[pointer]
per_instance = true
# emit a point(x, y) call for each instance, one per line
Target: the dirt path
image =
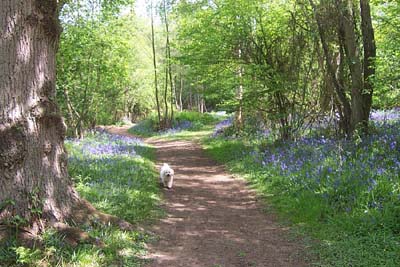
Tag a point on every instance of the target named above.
point(213, 219)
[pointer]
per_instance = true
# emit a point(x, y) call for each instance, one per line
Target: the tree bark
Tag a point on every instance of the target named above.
point(155, 65)
point(34, 183)
point(180, 94)
point(369, 55)
point(169, 64)
point(239, 95)
point(177, 107)
point(361, 72)
point(339, 89)
point(190, 100)
point(33, 158)
point(347, 25)
point(166, 120)
point(165, 124)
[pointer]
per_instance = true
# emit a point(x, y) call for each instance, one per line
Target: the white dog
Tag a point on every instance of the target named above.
point(166, 176)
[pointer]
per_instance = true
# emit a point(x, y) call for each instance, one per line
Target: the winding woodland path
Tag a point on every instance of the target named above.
point(213, 219)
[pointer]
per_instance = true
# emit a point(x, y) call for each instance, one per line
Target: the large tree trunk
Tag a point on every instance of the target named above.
point(33, 157)
point(34, 183)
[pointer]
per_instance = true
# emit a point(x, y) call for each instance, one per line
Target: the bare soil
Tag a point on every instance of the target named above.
point(214, 219)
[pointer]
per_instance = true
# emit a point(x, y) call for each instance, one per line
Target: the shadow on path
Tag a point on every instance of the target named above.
point(213, 219)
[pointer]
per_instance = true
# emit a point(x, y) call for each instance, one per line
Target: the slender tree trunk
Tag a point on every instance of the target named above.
point(155, 65)
point(200, 102)
point(169, 64)
point(347, 25)
point(173, 99)
point(190, 102)
point(71, 111)
point(166, 96)
point(361, 67)
point(239, 96)
point(369, 56)
point(362, 90)
point(347, 110)
point(176, 93)
point(177, 107)
point(203, 101)
point(180, 95)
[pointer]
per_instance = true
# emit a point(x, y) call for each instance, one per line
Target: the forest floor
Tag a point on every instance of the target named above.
point(212, 218)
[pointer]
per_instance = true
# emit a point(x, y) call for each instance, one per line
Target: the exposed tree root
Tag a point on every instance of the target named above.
point(74, 236)
point(23, 236)
point(84, 214)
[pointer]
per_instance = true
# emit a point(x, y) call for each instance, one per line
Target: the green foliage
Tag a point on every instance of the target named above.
point(226, 151)
point(103, 68)
point(258, 46)
point(270, 49)
point(195, 117)
point(146, 127)
point(387, 80)
point(121, 249)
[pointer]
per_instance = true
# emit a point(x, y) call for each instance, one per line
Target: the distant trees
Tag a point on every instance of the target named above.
point(282, 64)
point(257, 58)
point(104, 65)
point(386, 15)
point(287, 63)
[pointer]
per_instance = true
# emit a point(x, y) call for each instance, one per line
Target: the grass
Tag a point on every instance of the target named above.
point(186, 125)
point(344, 194)
point(117, 175)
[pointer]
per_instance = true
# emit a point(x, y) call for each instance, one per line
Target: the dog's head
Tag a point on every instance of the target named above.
point(168, 175)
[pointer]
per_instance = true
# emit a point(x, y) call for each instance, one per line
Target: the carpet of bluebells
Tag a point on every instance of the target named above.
point(178, 126)
point(361, 174)
point(353, 184)
point(221, 126)
point(115, 174)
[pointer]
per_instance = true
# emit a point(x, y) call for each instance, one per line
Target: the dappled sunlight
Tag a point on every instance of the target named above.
point(24, 52)
point(210, 213)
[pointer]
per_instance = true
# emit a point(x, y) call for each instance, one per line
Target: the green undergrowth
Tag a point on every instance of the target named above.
point(117, 175)
point(346, 222)
point(186, 125)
